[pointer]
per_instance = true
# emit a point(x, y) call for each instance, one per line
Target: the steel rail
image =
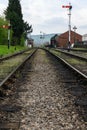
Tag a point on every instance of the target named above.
point(18, 67)
point(69, 65)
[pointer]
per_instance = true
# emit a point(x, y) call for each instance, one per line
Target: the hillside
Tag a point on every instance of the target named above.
point(38, 40)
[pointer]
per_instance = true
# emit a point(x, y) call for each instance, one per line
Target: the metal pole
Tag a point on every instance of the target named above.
point(69, 23)
point(69, 37)
point(42, 35)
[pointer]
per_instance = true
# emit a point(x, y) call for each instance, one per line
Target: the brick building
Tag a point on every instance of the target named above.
point(53, 41)
point(62, 40)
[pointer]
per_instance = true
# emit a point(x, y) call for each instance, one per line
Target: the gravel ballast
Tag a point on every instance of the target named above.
point(42, 99)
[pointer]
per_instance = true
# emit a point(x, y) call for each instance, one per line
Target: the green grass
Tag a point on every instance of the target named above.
point(75, 61)
point(5, 51)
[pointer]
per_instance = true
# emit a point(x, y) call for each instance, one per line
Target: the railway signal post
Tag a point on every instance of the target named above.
point(42, 36)
point(69, 7)
point(7, 27)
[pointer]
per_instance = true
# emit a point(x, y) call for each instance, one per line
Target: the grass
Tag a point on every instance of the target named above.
point(75, 61)
point(5, 51)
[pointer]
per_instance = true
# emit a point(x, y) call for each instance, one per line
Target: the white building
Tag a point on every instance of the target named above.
point(84, 37)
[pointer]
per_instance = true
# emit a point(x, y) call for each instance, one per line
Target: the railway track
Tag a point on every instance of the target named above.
point(9, 64)
point(79, 62)
point(79, 53)
point(13, 55)
point(44, 95)
point(75, 55)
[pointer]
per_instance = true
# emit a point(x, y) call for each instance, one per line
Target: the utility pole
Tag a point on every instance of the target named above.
point(69, 7)
point(7, 27)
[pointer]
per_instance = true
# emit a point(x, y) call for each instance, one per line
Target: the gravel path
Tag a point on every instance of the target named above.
point(46, 104)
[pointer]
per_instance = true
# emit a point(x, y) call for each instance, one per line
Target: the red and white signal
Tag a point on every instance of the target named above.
point(67, 6)
point(5, 26)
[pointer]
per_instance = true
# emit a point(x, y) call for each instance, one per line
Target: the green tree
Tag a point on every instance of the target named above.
point(13, 13)
point(27, 29)
point(3, 31)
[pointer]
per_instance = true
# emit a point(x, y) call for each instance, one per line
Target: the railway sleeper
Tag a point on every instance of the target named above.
point(9, 125)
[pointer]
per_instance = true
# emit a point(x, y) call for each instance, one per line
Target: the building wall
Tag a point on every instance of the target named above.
point(29, 43)
point(84, 37)
point(62, 40)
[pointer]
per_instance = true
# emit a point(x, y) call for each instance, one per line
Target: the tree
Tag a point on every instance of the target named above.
point(27, 29)
point(13, 13)
point(3, 31)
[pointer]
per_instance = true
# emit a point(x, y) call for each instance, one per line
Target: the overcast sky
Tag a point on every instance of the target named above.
point(48, 16)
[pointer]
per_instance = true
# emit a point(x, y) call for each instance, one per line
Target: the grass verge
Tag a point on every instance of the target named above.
point(5, 51)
